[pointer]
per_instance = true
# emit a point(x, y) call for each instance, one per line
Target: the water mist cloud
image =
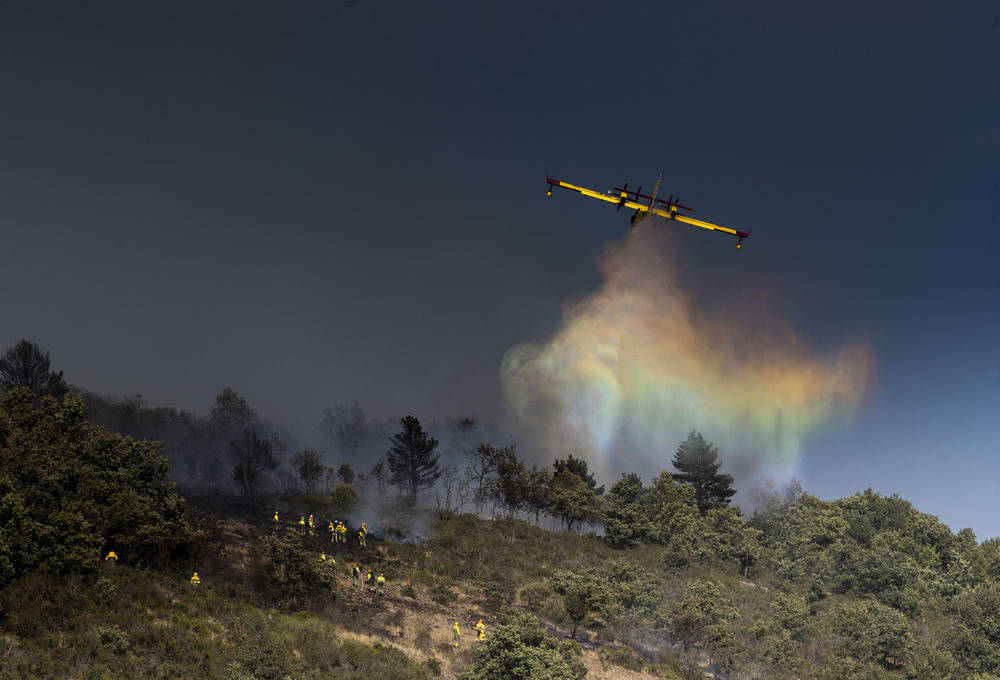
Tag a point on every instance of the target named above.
point(634, 369)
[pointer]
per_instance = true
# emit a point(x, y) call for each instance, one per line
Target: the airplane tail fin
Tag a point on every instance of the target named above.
point(652, 198)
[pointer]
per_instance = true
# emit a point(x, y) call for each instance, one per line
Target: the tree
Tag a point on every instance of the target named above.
point(626, 516)
point(361, 482)
point(232, 412)
point(769, 498)
point(672, 510)
point(695, 462)
point(380, 475)
point(310, 469)
point(413, 463)
point(537, 487)
point(70, 491)
point(481, 472)
point(251, 455)
point(874, 631)
point(25, 365)
point(346, 473)
point(344, 499)
point(455, 489)
point(702, 616)
point(572, 501)
point(578, 467)
point(510, 488)
point(346, 426)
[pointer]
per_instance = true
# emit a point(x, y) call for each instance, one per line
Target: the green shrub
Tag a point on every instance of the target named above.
point(626, 657)
point(499, 589)
point(534, 594)
point(423, 577)
point(113, 640)
point(344, 500)
point(258, 654)
point(518, 649)
point(433, 665)
point(443, 594)
point(105, 590)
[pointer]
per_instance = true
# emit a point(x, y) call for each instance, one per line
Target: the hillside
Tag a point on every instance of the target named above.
point(862, 587)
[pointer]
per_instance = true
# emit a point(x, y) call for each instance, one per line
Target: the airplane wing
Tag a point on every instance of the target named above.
point(586, 192)
point(671, 214)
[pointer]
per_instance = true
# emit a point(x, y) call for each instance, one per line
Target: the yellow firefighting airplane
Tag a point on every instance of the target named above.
point(629, 199)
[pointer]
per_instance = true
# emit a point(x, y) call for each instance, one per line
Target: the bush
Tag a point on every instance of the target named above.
point(113, 640)
point(258, 655)
point(344, 500)
point(433, 666)
point(518, 649)
point(423, 577)
point(626, 657)
point(289, 577)
point(499, 589)
point(534, 594)
point(443, 594)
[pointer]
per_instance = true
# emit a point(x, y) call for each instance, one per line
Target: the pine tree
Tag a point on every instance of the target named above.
point(579, 468)
point(695, 462)
point(26, 365)
point(413, 464)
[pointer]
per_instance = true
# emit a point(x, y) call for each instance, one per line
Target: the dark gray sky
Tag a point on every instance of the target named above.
point(313, 203)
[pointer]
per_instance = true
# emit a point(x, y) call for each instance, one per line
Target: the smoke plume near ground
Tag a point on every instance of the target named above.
point(636, 366)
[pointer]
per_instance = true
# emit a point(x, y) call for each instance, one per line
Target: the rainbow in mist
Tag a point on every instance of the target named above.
point(633, 370)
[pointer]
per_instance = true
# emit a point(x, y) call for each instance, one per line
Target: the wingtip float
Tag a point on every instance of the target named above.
point(664, 207)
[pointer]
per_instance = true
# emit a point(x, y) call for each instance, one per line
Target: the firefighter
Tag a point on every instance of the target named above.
point(356, 575)
point(322, 557)
point(302, 524)
point(195, 581)
point(370, 580)
point(480, 631)
point(275, 518)
point(457, 634)
point(361, 536)
point(310, 525)
point(112, 558)
point(381, 584)
point(342, 530)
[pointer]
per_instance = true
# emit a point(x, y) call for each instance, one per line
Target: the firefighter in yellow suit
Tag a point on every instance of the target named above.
point(458, 634)
point(195, 581)
point(480, 630)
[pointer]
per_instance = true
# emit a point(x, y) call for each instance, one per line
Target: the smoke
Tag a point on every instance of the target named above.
point(636, 366)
